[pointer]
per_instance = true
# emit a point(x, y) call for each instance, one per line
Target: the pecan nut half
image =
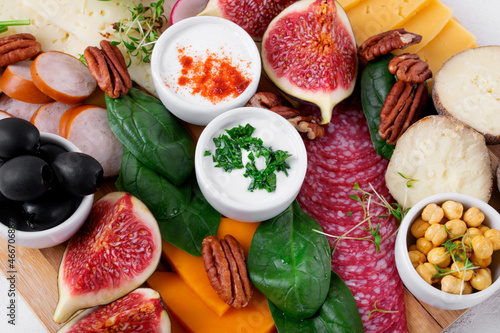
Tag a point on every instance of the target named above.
point(409, 68)
point(308, 124)
point(387, 42)
point(225, 265)
point(265, 100)
point(107, 66)
point(401, 108)
point(17, 47)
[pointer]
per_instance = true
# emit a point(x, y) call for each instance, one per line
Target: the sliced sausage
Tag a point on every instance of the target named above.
point(17, 108)
point(16, 82)
point(88, 128)
point(47, 117)
point(63, 77)
point(4, 114)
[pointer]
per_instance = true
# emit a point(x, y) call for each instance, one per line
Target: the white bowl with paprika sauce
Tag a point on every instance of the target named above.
point(203, 66)
point(263, 185)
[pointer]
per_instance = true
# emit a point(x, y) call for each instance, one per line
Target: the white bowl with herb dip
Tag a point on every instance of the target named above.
point(250, 164)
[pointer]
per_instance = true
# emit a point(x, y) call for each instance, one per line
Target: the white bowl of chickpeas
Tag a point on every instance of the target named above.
point(448, 251)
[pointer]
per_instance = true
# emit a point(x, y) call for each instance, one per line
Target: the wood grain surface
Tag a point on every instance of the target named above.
point(37, 269)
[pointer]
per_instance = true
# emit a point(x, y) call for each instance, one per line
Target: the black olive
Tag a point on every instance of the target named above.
point(12, 216)
point(49, 151)
point(18, 137)
point(25, 178)
point(80, 174)
point(50, 209)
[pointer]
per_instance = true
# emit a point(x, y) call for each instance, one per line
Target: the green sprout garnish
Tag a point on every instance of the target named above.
point(379, 310)
point(408, 180)
point(4, 25)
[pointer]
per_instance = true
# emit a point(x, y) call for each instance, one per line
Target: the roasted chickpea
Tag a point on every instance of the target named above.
point(413, 247)
point(473, 217)
point(455, 228)
point(470, 234)
point(483, 228)
point(482, 246)
point(459, 267)
point(439, 256)
point(494, 236)
point(427, 271)
point(452, 209)
point(436, 234)
point(423, 245)
point(482, 279)
point(432, 213)
point(417, 258)
point(452, 285)
point(419, 227)
point(481, 263)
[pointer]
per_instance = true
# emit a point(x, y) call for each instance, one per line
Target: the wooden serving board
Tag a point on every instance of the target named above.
point(37, 269)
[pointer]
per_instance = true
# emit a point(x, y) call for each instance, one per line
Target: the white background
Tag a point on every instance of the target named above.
point(482, 18)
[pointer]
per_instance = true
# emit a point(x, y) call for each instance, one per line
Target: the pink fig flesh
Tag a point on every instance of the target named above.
point(186, 8)
point(309, 52)
point(115, 251)
point(140, 311)
point(252, 15)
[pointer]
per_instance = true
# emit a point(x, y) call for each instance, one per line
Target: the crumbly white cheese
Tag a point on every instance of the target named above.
point(468, 87)
point(441, 155)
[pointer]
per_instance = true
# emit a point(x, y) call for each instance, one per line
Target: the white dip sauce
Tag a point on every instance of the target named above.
point(200, 41)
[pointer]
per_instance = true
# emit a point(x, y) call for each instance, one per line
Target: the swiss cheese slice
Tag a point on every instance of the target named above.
point(427, 23)
point(371, 17)
point(452, 39)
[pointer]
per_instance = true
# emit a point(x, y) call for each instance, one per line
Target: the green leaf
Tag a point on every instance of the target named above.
point(187, 230)
point(339, 313)
point(290, 263)
point(376, 83)
point(152, 134)
point(164, 199)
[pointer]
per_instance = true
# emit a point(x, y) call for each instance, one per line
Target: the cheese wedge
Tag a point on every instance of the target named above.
point(184, 305)
point(427, 23)
point(371, 17)
point(451, 40)
point(346, 4)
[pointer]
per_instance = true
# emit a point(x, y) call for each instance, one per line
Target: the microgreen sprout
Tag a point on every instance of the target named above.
point(139, 33)
point(4, 25)
point(365, 199)
point(379, 310)
point(408, 180)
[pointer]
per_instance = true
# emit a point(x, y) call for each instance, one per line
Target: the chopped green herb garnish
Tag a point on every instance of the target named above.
point(228, 156)
point(207, 153)
point(349, 213)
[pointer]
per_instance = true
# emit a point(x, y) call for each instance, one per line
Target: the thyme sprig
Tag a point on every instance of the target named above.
point(139, 33)
point(379, 310)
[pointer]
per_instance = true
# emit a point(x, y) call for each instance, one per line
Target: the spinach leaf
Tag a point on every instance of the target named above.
point(290, 263)
point(339, 313)
point(187, 230)
point(376, 83)
point(164, 199)
point(152, 134)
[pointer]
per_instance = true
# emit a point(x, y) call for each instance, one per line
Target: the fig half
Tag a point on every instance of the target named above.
point(115, 251)
point(140, 311)
point(309, 52)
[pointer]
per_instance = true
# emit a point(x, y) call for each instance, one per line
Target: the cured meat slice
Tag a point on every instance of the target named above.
point(47, 117)
point(17, 108)
point(371, 275)
point(4, 114)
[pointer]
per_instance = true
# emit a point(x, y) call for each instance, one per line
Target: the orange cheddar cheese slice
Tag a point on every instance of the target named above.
point(452, 39)
point(371, 17)
point(184, 305)
point(427, 23)
point(192, 270)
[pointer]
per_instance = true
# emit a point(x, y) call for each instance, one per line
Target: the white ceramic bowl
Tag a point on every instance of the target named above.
point(62, 232)
point(228, 192)
point(415, 284)
point(196, 35)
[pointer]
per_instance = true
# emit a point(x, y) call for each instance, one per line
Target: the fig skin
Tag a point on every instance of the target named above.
point(18, 137)
point(79, 174)
point(25, 178)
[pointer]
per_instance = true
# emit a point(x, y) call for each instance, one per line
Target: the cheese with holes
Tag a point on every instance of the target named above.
point(427, 23)
point(371, 17)
point(90, 21)
point(451, 40)
point(346, 4)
